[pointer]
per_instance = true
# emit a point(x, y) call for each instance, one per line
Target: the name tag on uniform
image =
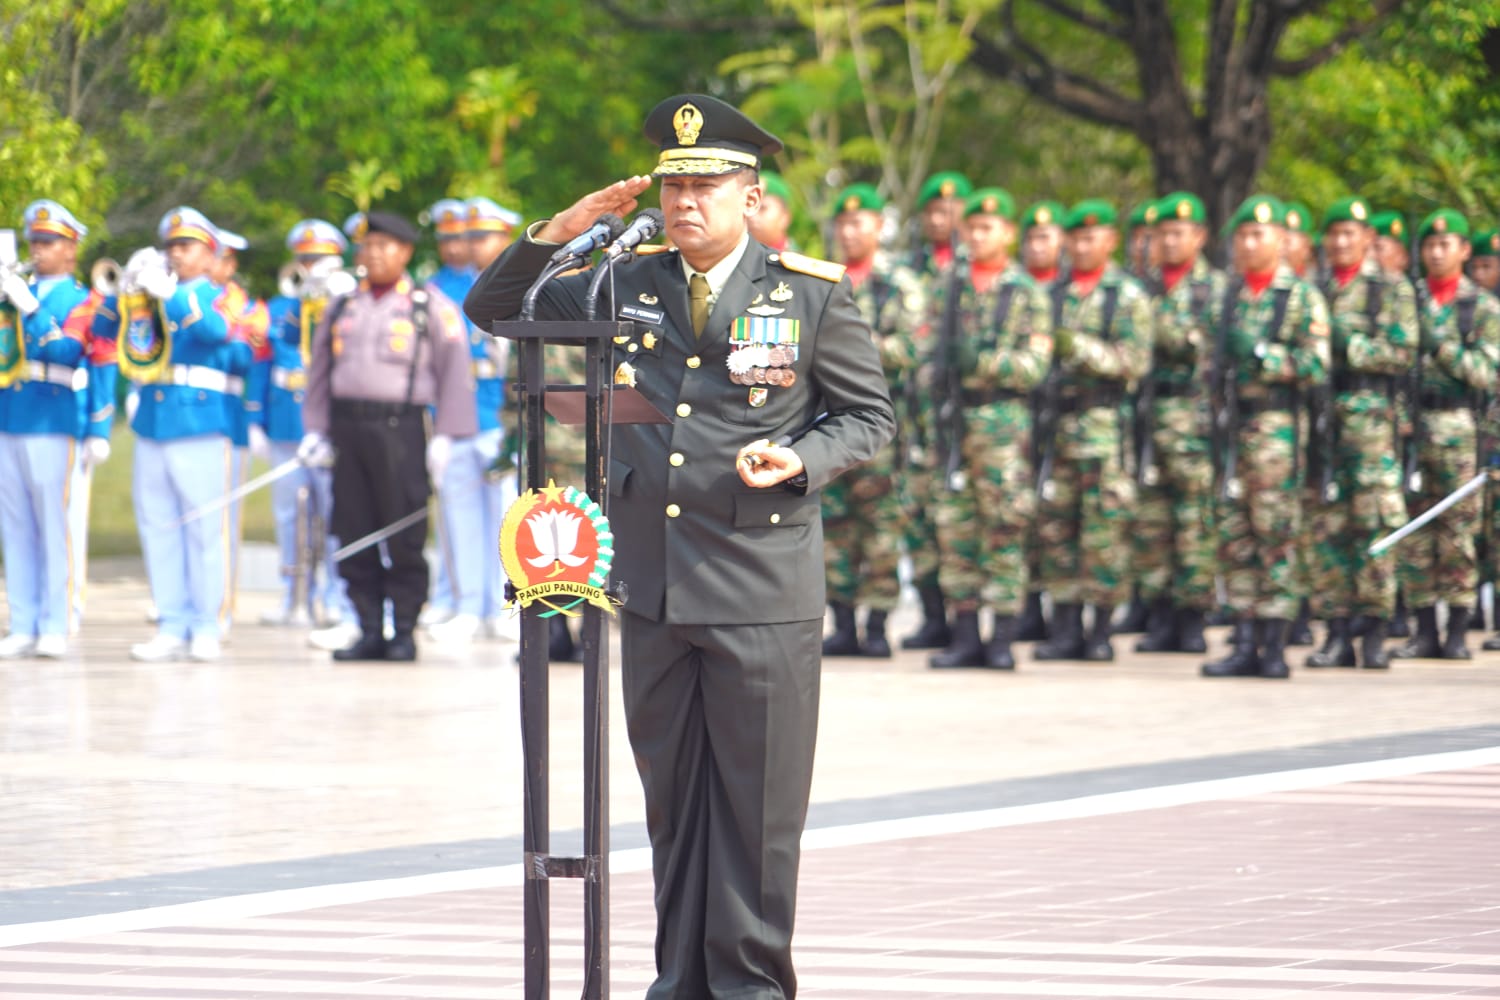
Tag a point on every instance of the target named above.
point(651, 316)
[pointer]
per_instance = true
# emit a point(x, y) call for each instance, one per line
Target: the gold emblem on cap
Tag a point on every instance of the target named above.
point(1358, 211)
point(781, 293)
point(851, 203)
point(362, 229)
point(1440, 225)
point(1043, 216)
point(177, 220)
point(1293, 219)
point(991, 205)
point(1495, 242)
point(1151, 214)
point(687, 123)
point(1091, 219)
point(1184, 210)
point(42, 215)
point(1263, 212)
point(1396, 227)
point(947, 188)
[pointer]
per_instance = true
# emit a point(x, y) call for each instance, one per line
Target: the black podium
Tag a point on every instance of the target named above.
point(596, 405)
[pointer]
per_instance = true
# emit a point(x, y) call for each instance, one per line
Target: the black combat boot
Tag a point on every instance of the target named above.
point(1033, 624)
point(1241, 661)
point(1190, 631)
point(1137, 614)
point(1067, 635)
point(401, 647)
point(1097, 648)
point(966, 650)
point(1161, 629)
point(997, 652)
point(1300, 633)
point(560, 645)
point(1477, 615)
point(1458, 625)
point(1272, 655)
point(934, 632)
point(1400, 623)
point(1371, 632)
point(1337, 650)
point(371, 646)
point(1425, 645)
point(875, 644)
point(845, 638)
point(1491, 644)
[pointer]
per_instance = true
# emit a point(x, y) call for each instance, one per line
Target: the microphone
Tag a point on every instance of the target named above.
point(643, 227)
point(604, 229)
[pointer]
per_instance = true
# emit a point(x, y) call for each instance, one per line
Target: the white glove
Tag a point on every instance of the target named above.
point(439, 450)
point(315, 451)
point(260, 445)
point(144, 259)
point(324, 266)
point(132, 403)
point(157, 282)
point(339, 283)
point(95, 452)
point(14, 288)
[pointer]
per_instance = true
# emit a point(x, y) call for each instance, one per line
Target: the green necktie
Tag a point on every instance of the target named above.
point(698, 303)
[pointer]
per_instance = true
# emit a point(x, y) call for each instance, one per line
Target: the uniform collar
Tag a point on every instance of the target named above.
point(719, 274)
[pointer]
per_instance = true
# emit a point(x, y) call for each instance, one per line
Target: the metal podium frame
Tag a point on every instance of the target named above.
point(597, 338)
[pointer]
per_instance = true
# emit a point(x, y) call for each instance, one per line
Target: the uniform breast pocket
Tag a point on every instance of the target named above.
point(397, 342)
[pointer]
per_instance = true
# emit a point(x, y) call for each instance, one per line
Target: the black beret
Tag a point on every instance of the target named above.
point(392, 225)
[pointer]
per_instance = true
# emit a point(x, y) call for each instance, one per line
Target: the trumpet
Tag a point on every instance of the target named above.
point(321, 280)
point(106, 276)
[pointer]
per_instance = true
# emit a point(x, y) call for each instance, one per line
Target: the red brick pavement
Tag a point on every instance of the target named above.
point(1372, 889)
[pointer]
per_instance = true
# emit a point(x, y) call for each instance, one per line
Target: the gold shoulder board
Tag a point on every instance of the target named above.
point(802, 264)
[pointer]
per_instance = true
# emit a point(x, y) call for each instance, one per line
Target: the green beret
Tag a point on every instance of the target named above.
point(1043, 213)
point(1182, 206)
point(1090, 212)
point(945, 184)
point(1351, 209)
point(1389, 224)
point(773, 184)
point(1444, 220)
point(1143, 214)
point(1260, 208)
point(858, 197)
point(1485, 243)
point(991, 201)
point(1299, 218)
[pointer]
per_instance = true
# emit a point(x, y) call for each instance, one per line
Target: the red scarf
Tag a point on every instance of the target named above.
point(1344, 275)
point(1259, 281)
point(858, 272)
point(1444, 290)
point(1044, 274)
point(1171, 274)
point(1086, 281)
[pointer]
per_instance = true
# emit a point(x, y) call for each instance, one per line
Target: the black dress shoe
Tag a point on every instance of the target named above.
point(369, 647)
point(401, 648)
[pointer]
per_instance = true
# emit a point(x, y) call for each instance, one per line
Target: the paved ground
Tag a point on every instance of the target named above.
point(276, 826)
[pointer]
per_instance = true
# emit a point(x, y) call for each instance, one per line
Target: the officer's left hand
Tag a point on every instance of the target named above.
point(14, 288)
point(340, 283)
point(619, 199)
point(158, 282)
point(763, 464)
point(95, 452)
point(439, 450)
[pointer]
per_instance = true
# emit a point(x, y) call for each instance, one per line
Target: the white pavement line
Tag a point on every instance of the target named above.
point(231, 908)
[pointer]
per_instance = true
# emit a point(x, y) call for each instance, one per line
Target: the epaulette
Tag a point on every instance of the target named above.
point(803, 264)
point(652, 248)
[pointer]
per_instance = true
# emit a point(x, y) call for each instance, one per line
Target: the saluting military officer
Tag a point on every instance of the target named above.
point(1102, 346)
point(1460, 355)
point(940, 204)
point(1373, 342)
point(44, 347)
point(380, 357)
point(862, 518)
point(996, 353)
point(718, 533)
point(1174, 548)
point(1271, 347)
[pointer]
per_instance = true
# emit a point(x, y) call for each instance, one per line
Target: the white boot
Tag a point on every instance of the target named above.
point(161, 648)
point(16, 646)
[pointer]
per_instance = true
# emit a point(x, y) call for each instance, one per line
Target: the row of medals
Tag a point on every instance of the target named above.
point(779, 373)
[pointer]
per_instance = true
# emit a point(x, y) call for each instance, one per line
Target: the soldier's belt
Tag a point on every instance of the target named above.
point(76, 379)
point(484, 368)
point(1435, 401)
point(1090, 400)
point(373, 409)
point(1360, 382)
point(207, 379)
point(1276, 399)
point(984, 397)
point(290, 379)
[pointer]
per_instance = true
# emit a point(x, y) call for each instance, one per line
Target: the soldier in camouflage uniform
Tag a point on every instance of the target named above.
point(862, 516)
point(1042, 239)
point(1174, 548)
point(1373, 341)
point(1460, 355)
point(1102, 337)
point(1297, 251)
point(1272, 347)
point(994, 346)
point(1141, 258)
point(940, 204)
point(1484, 271)
point(1391, 252)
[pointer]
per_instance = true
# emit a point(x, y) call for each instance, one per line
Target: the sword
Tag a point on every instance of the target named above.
point(243, 490)
point(376, 537)
point(1429, 514)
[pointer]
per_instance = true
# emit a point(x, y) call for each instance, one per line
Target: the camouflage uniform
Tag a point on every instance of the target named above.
point(1373, 339)
point(862, 514)
point(1439, 562)
point(1084, 513)
point(1258, 526)
point(982, 525)
point(1173, 546)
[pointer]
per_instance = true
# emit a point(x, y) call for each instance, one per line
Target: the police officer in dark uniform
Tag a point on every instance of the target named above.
point(717, 532)
point(380, 358)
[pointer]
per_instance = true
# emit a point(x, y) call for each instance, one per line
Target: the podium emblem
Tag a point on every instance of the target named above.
point(557, 548)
